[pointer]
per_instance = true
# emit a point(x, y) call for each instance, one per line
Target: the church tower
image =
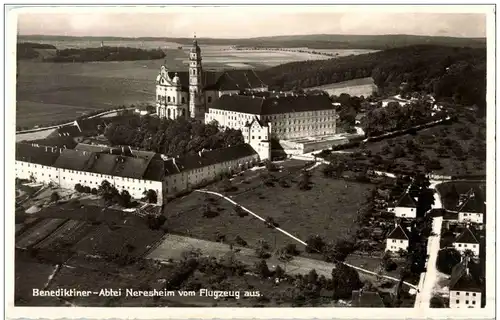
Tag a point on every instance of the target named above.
point(196, 103)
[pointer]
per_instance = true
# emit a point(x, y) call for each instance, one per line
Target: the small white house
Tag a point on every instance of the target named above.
point(467, 241)
point(471, 208)
point(465, 287)
point(406, 207)
point(397, 240)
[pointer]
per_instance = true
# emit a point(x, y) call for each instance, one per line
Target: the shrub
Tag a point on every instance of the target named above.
point(240, 212)
point(315, 244)
point(271, 223)
point(240, 241)
point(78, 187)
point(291, 249)
point(93, 191)
point(86, 189)
point(54, 197)
point(262, 269)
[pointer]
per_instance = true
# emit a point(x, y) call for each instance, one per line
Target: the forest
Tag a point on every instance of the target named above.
point(105, 54)
point(28, 50)
point(457, 74)
point(171, 137)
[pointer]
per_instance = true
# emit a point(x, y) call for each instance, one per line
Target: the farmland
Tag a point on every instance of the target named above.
point(48, 92)
point(328, 209)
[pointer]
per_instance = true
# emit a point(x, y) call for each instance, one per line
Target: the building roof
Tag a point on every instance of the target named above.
point(92, 148)
point(225, 80)
point(74, 160)
point(42, 155)
point(236, 80)
point(367, 299)
point(212, 157)
point(155, 170)
point(130, 167)
point(272, 105)
point(467, 236)
point(406, 201)
point(69, 130)
point(474, 202)
point(398, 233)
point(465, 276)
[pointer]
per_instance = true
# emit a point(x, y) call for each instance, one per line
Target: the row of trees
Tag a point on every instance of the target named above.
point(171, 137)
point(105, 54)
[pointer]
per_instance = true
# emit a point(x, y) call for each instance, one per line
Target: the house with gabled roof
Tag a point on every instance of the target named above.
point(397, 239)
point(466, 286)
point(467, 240)
point(471, 207)
point(406, 207)
point(258, 135)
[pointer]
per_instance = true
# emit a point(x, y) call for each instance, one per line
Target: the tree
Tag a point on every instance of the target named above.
point(283, 256)
point(291, 249)
point(54, 197)
point(239, 211)
point(270, 166)
point(240, 241)
point(315, 244)
point(271, 223)
point(125, 198)
point(447, 259)
point(227, 186)
point(344, 280)
point(279, 273)
point(78, 187)
point(150, 196)
point(262, 269)
point(262, 250)
point(305, 180)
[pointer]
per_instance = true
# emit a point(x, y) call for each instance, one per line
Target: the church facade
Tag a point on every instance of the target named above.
point(181, 94)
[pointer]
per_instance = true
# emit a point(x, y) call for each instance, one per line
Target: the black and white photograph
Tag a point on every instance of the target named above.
point(252, 157)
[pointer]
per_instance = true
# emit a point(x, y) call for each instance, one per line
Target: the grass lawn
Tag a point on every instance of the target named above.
point(328, 209)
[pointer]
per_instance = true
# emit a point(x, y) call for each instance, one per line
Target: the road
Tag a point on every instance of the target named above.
point(430, 277)
point(316, 262)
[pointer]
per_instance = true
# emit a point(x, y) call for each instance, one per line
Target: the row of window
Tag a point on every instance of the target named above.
point(301, 128)
point(465, 245)
point(394, 241)
point(466, 301)
point(457, 293)
point(165, 99)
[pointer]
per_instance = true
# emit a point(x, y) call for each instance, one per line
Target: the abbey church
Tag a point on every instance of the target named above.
point(183, 94)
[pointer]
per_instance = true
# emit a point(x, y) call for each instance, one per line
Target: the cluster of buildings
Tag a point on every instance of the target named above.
point(466, 285)
point(238, 99)
point(131, 170)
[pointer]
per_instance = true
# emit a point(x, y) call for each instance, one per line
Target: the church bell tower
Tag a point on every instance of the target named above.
point(196, 103)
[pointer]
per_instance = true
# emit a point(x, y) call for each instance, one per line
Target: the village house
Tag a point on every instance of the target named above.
point(471, 208)
point(406, 207)
point(467, 241)
point(465, 286)
point(397, 240)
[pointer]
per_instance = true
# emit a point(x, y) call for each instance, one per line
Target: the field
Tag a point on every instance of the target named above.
point(48, 92)
point(328, 209)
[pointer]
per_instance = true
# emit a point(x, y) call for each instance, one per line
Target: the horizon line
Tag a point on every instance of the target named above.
point(249, 38)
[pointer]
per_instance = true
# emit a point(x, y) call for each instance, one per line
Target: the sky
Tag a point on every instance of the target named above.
point(246, 22)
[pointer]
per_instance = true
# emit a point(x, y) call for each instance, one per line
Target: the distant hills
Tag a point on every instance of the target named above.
point(314, 41)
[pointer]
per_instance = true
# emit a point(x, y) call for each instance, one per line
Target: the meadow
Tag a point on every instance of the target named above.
point(48, 92)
